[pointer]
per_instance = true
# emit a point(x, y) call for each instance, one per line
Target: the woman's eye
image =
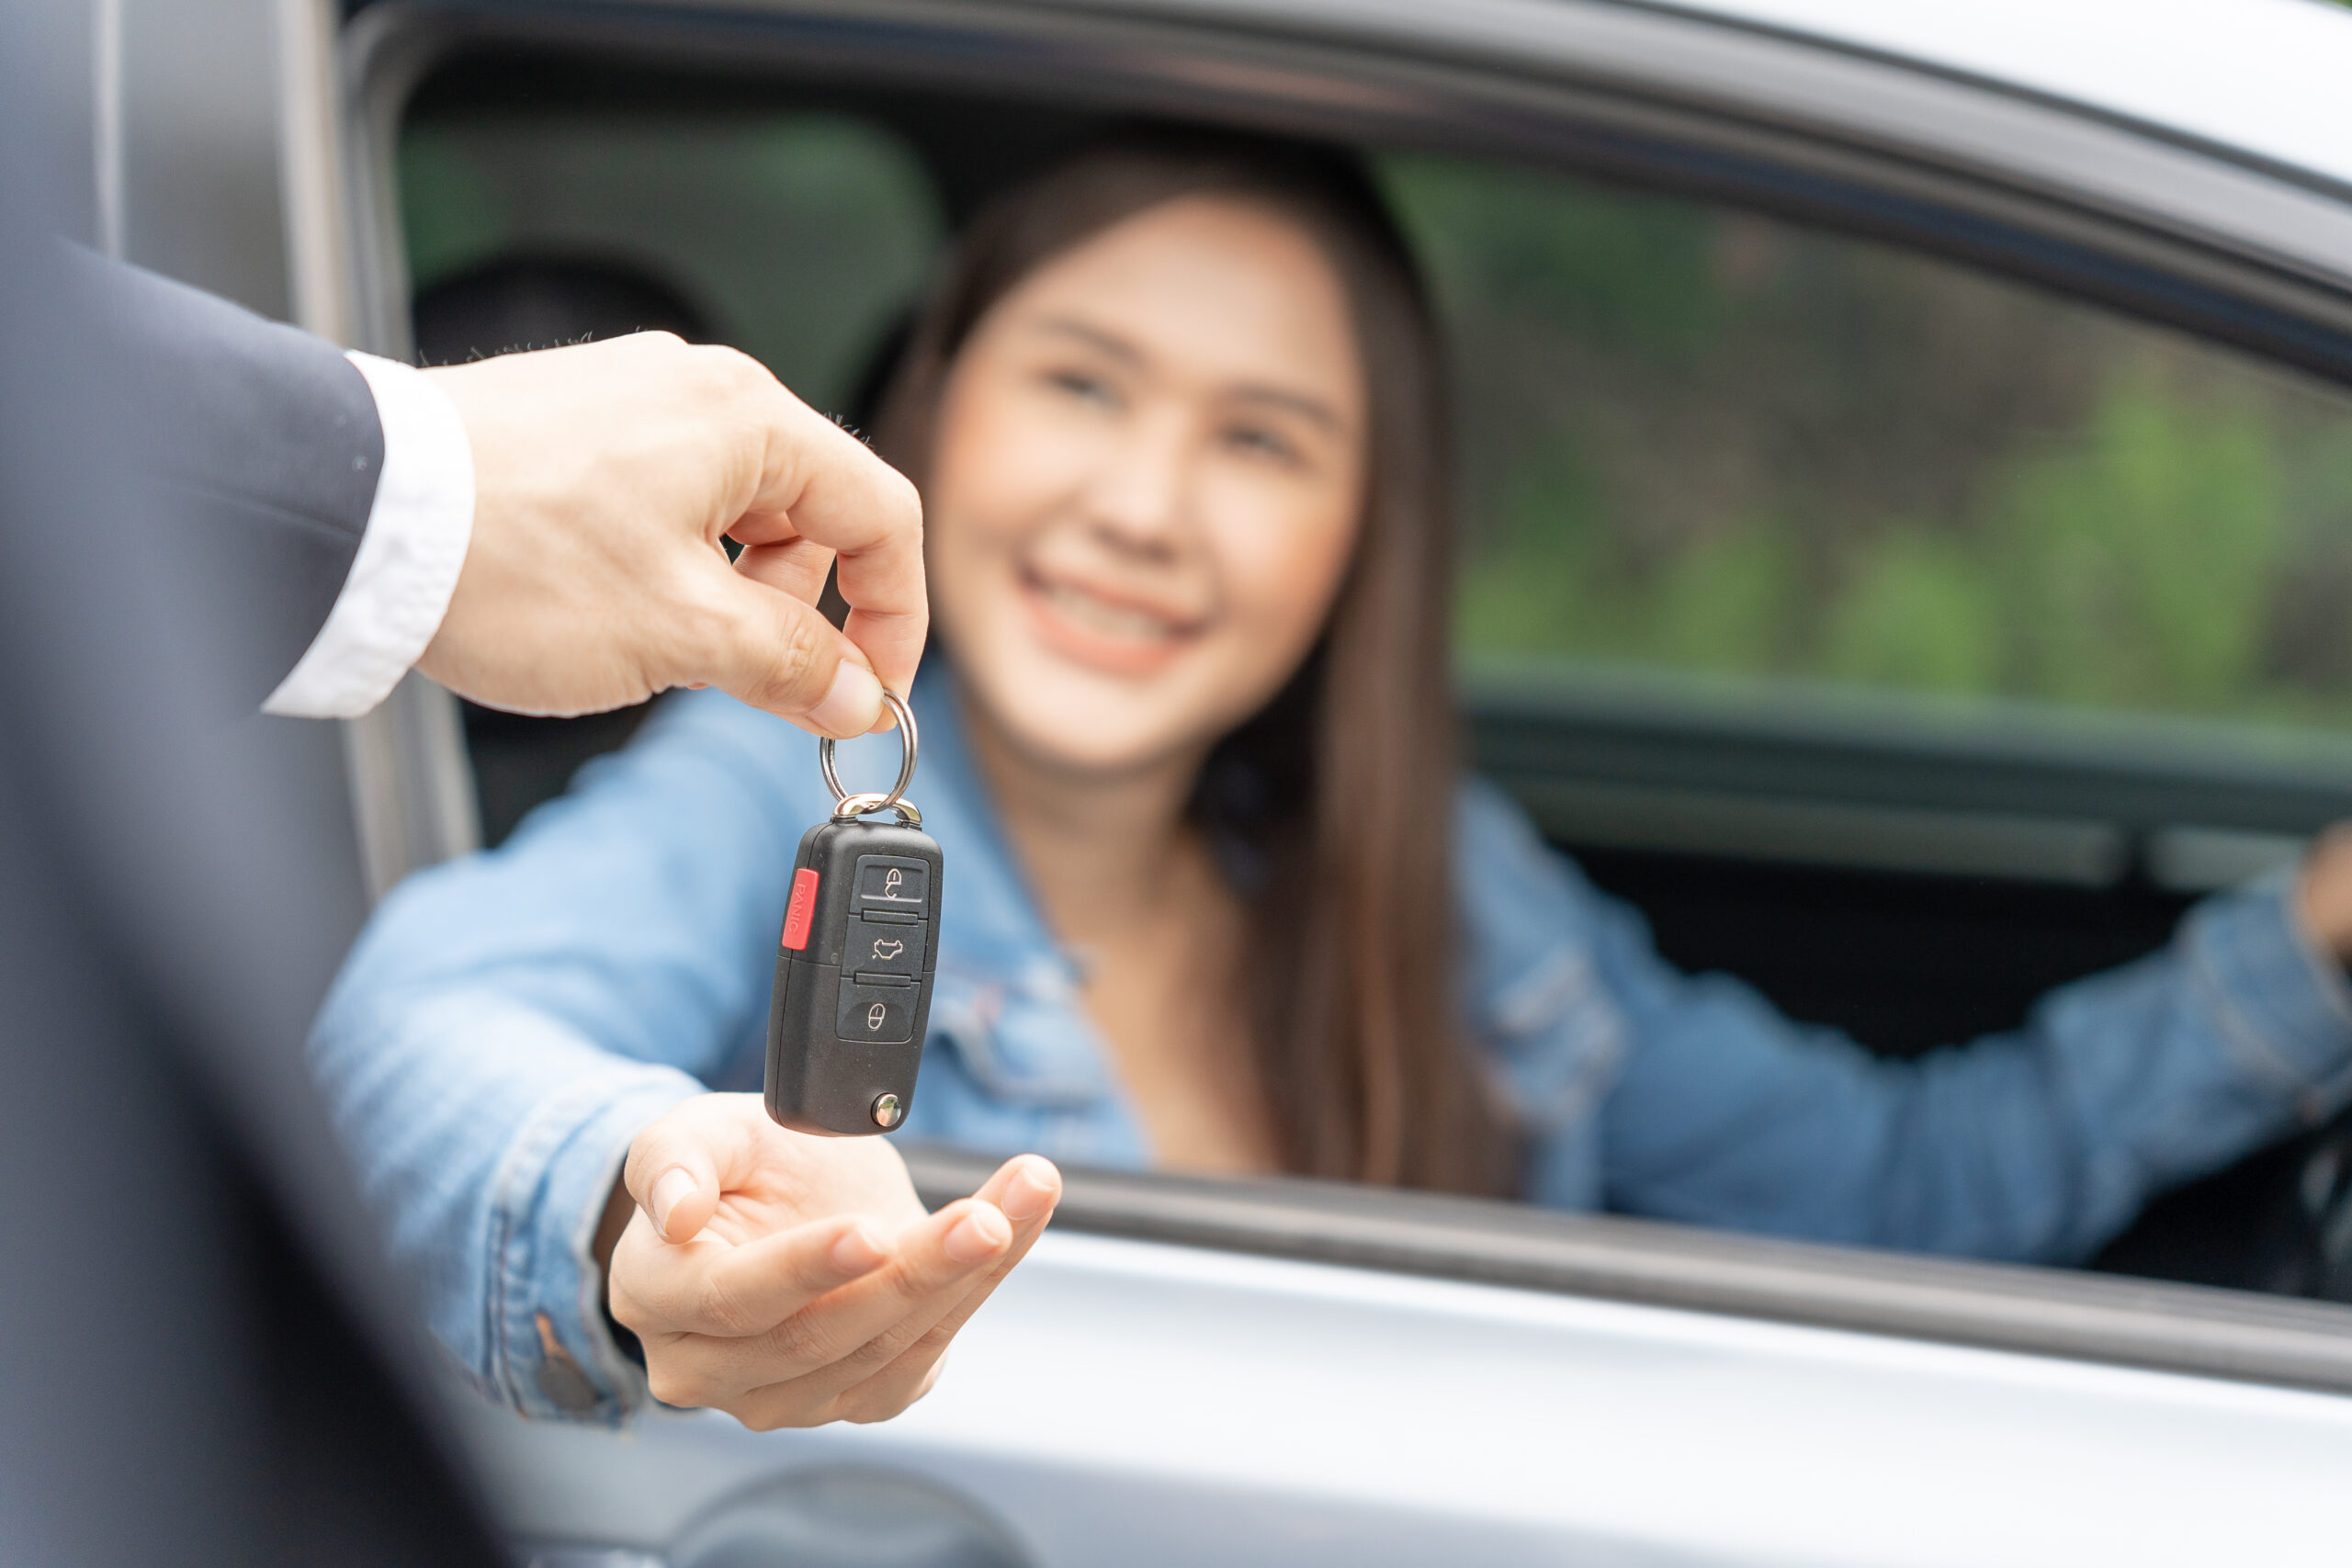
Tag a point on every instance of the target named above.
point(1085, 386)
point(1261, 441)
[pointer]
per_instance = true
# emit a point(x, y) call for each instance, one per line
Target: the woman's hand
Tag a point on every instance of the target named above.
point(791, 1280)
point(2325, 899)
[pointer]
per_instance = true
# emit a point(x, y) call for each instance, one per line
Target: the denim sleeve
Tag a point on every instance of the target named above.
point(2032, 1145)
point(510, 1021)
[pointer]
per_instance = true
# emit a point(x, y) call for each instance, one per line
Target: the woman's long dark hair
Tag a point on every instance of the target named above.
point(1338, 794)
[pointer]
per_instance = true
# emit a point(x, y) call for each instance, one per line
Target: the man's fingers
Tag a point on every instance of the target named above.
point(731, 1292)
point(843, 497)
point(679, 1166)
point(604, 476)
point(776, 653)
point(892, 640)
point(798, 568)
point(795, 566)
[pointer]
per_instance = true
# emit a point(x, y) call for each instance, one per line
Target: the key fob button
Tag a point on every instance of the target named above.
point(891, 883)
point(874, 948)
point(878, 1014)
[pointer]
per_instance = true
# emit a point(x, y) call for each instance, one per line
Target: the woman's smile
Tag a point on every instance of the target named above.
point(1117, 634)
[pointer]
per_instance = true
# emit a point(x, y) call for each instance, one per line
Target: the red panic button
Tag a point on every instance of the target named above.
point(801, 910)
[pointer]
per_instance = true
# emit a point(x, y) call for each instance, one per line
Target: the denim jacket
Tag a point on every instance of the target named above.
point(509, 1021)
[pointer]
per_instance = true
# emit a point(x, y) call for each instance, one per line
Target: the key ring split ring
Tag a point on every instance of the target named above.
point(848, 807)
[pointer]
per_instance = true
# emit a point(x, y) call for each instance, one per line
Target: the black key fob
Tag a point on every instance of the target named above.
point(854, 965)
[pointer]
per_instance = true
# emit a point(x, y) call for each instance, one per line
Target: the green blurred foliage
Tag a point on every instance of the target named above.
point(1917, 612)
point(1620, 270)
point(1701, 440)
point(2140, 557)
point(1692, 439)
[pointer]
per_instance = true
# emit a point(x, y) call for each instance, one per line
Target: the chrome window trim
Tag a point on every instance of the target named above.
point(2155, 1326)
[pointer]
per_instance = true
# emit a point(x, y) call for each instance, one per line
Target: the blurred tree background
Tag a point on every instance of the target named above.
point(1703, 441)
point(1693, 440)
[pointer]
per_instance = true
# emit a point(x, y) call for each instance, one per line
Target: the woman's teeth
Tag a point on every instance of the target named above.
point(1111, 620)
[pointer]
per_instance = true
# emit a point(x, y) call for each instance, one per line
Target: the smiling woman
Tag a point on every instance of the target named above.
point(1179, 428)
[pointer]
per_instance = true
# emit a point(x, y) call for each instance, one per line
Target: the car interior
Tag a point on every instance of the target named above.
point(1901, 632)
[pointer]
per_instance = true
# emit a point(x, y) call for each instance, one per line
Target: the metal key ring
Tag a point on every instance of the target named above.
point(853, 807)
point(846, 805)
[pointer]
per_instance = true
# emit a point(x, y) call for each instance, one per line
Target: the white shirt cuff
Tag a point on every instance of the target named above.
point(408, 558)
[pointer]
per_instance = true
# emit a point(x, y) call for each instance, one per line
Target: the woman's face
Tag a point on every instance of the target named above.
point(1147, 480)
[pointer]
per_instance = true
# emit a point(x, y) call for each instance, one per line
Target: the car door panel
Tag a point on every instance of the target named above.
point(1149, 1404)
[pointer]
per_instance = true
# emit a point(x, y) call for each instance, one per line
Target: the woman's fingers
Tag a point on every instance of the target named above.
point(822, 1321)
point(897, 1386)
point(892, 1371)
point(1028, 1194)
point(933, 1263)
point(679, 1166)
point(736, 1292)
point(1027, 1187)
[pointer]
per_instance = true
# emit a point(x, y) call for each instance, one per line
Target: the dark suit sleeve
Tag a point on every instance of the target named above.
point(259, 441)
point(203, 1358)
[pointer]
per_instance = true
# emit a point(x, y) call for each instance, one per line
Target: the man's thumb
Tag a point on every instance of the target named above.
point(784, 656)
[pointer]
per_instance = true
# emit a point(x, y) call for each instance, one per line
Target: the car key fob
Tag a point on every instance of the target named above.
point(854, 965)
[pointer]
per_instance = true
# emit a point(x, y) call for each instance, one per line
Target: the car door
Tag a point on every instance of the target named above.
point(1756, 514)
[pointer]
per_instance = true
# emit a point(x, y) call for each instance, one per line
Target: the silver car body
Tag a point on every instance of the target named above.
point(1143, 1403)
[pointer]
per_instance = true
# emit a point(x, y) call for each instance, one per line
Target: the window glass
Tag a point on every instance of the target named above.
point(1706, 459)
point(1708, 444)
point(801, 236)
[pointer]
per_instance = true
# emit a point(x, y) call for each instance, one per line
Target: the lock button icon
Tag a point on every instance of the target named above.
point(875, 1012)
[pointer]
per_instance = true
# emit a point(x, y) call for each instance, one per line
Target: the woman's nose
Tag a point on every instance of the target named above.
point(1138, 499)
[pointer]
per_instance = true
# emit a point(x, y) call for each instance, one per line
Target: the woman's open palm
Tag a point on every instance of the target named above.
point(795, 1280)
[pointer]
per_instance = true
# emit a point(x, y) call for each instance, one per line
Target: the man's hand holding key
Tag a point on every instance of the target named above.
point(606, 476)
